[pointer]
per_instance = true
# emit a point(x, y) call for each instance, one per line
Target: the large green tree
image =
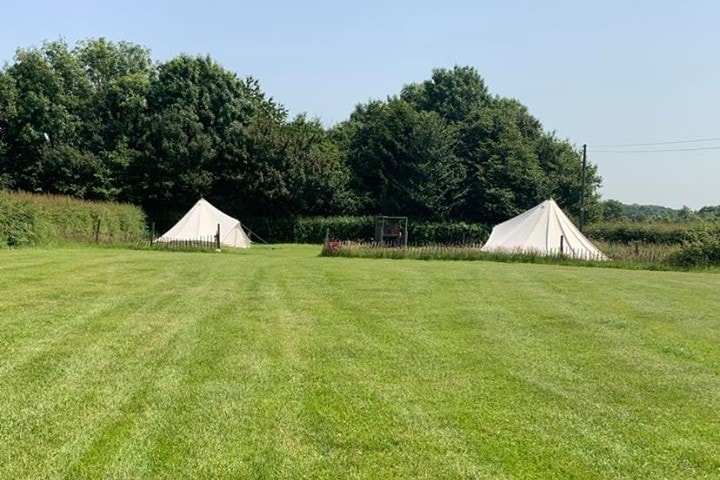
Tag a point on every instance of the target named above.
point(511, 162)
point(453, 94)
point(210, 133)
point(402, 160)
point(200, 129)
point(70, 115)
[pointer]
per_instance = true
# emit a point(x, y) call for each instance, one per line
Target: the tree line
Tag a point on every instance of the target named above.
point(100, 120)
point(613, 210)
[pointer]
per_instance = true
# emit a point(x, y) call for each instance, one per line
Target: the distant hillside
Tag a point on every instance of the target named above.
point(653, 212)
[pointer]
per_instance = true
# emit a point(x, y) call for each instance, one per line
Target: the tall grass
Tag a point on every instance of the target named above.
point(31, 219)
point(633, 257)
point(638, 252)
point(441, 252)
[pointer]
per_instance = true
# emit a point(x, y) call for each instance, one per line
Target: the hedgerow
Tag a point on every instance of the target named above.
point(30, 219)
point(667, 233)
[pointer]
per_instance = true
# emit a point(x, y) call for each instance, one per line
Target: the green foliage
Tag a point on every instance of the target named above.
point(709, 213)
point(403, 160)
point(100, 121)
point(446, 149)
point(27, 219)
point(313, 230)
point(637, 253)
point(670, 233)
point(702, 251)
point(611, 210)
point(656, 213)
point(692, 256)
point(18, 222)
point(453, 94)
point(71, 117)
point(271, 229)
point(447, 233)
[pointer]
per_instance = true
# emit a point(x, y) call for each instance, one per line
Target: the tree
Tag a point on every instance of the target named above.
point(612, 210)
point(72, 116)
point(562, 165)
point(116, 107)
point(101, 121)
point(210, 133)
point(439, 188)
point(709, 212)
point(8, 111)
point(377, 155)
point(504, 175)
point(318, 180)
point(403, 160)
point(511, 163)
point(452, 94)
point(47, 84)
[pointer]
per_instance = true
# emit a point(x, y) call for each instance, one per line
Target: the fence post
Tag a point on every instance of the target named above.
point(217, 238)
point(152, 233)
point(406, 234)
point(97, 231)
point(562, 244)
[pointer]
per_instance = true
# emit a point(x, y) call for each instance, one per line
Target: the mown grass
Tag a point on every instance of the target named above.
point(275, 363)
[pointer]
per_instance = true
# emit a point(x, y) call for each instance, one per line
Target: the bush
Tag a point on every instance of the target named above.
point(448, 233)
point(28, 219)
point(701, 252)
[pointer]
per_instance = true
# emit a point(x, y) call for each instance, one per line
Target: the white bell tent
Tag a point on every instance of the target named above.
point(543, 229)
point(201, 223)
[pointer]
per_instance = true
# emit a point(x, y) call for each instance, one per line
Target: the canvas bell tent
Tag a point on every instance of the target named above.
point(201, 222)
point(543, 229)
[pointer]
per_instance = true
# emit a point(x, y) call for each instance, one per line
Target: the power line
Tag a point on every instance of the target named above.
point(658, 150)
point(696, 140)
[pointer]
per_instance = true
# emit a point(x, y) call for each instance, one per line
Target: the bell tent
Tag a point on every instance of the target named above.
point(201, 223)
point(543, 229)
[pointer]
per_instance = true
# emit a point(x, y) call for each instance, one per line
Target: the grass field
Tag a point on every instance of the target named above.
point(280, 364)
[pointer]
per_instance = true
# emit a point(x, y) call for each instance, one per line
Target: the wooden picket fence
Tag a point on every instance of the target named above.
point(209, 243)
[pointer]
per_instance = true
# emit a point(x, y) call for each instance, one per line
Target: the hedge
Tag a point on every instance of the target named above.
point(675, 233)
point(30, 219)
point(362, 228)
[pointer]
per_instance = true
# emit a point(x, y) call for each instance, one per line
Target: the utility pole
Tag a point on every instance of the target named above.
point(582, 188)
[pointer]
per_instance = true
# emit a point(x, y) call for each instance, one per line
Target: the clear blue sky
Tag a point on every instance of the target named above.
point(610, 72)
